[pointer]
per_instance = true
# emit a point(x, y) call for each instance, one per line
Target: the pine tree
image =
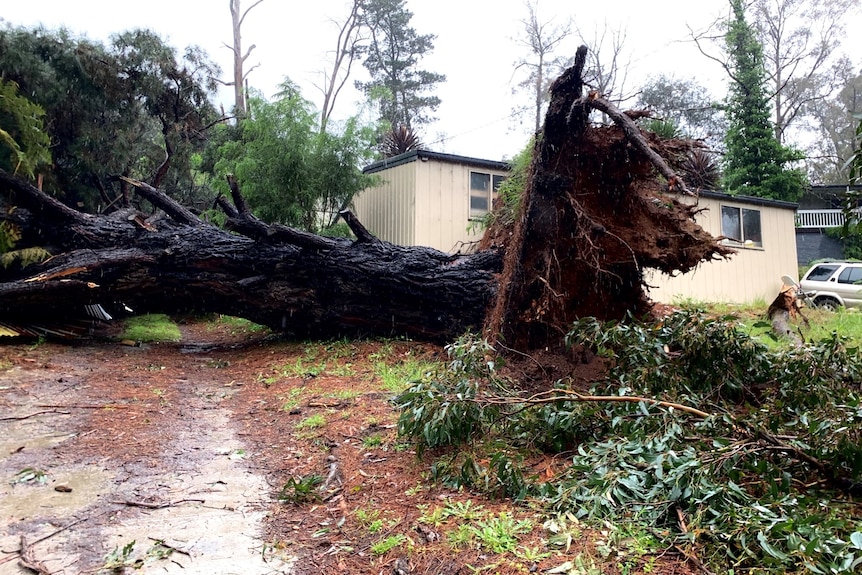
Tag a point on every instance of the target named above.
point(755, 163)
point(392, 59)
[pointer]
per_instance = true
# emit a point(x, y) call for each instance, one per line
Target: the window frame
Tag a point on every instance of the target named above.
point(746, 241)
point(494, 181)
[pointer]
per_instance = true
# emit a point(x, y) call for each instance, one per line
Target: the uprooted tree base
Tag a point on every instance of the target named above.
point(595, 215)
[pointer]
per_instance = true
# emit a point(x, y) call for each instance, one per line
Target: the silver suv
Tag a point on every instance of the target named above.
point(834, 284)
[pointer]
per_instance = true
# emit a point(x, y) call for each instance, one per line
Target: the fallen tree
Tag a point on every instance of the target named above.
point(596, 213)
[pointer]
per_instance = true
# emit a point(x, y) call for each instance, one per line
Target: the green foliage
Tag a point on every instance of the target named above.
point(392, 60)
point(9, 235)
point(288, 170)
point(511, 190)
point(754, 484)
point(151, 328)
point(755, 163)
point(112, 109)
point(386, 545)
point(300, 490)
point(500, 534)
point(22, 131)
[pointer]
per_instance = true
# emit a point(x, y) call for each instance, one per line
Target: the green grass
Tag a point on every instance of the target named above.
point(312, 422)
point(151, 328)
point(396, 377)
point(238, 325)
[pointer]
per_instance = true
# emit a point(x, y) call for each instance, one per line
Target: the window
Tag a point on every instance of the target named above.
point(851, 275)
point(483, 190)
point(821, 273)
point(741, 226)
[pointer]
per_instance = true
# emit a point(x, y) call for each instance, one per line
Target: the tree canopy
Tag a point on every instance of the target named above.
point(291, 172)
point(131, 108)
point(392, 59)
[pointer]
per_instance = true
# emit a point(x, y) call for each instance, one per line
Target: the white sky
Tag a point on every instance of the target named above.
point(474, 48)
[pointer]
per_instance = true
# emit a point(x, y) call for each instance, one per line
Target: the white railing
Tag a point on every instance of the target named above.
point(819, 218)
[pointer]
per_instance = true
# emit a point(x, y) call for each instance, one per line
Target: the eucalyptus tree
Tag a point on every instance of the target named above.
point(541, 38)
point(800, 40)
point(687, 105)
point(240, 73)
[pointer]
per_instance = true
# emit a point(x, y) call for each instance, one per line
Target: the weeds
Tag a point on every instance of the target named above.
point(384, 546)
point(300, 490)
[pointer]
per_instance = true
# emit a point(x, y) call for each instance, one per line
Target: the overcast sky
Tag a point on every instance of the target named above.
point(474, 48)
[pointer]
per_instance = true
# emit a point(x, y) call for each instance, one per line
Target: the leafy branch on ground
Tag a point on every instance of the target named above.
point(737, 455)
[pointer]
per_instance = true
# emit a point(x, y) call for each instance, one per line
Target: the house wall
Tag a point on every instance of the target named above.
point(422, 203)
point(749, 275)
point(443, 206)
point(388, 209)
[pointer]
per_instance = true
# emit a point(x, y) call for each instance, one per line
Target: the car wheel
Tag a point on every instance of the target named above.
point(827, 303)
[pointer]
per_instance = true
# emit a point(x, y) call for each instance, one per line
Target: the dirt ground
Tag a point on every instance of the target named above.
point(171, 458)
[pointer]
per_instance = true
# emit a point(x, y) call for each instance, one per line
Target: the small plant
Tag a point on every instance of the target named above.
point(500, 534)
point(300, 490)
point(311, 422)
point(372, 441)
point(30, 475)
point(462, 537)
point(384, 546)
point(465, 510)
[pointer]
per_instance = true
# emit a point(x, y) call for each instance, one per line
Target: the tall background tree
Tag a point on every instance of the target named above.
point(239, 72)
point(349, 46)
point(755, 163)
point(24, 145)
point(800, 39)
point(403, 90)
point(541, 38)
point(687, 105)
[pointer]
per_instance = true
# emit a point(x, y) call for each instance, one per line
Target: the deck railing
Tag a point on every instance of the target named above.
point(819, 218)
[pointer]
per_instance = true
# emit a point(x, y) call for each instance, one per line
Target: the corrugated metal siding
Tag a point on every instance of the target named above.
point(750, 274)
point(443, 206)
point(388, 209)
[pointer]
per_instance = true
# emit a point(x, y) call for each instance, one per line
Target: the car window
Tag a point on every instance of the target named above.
point(821, 273)
point(851, 275)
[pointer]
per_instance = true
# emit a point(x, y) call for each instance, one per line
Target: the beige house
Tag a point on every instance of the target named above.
point(431, 199)
point(763, 234)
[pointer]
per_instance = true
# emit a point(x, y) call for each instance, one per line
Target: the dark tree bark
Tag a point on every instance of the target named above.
point(298, 283)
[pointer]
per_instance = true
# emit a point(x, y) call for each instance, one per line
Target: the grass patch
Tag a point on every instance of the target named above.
point(398, 376)
point(315, 421)
point(237, 325)
point(151, 328)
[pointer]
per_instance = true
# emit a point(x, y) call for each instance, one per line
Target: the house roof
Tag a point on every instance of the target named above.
point(755, 201)
point(415, 155)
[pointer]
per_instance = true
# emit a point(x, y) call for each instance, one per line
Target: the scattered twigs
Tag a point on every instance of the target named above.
point(28, 416)
point(164, 505)
point(28, 561)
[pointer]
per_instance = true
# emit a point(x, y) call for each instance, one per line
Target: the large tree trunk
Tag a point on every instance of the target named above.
point(594, 216)
point(304, 285)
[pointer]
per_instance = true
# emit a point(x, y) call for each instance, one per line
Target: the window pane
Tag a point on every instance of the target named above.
point(751, 227)
point(480, 193)
point(850, 276)
point(730, 225)
point(821, 273)
point(497, 181)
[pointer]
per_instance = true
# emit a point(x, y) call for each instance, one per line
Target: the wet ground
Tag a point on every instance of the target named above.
point(235, 452)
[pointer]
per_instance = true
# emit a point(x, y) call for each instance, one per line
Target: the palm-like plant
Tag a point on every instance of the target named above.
point(400, 140)
point(700, 170)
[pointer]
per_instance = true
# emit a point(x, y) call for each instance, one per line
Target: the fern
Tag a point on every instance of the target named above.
point(24, 257)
